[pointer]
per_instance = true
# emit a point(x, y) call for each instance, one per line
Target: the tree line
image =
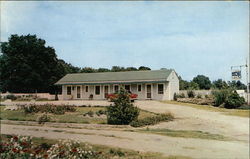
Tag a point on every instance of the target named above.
point(28, 65)
point(203, 82)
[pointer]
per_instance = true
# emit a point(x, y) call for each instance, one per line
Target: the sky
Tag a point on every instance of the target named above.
point(191, 37)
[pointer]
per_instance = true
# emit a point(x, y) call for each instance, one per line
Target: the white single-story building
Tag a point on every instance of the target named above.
point(155, 84)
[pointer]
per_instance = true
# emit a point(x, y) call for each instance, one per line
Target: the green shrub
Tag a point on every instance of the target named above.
point(206, 96)
point(89, 113)
point(182, 95)
point(49, 108)
point(220, 96)
point(30, 109)
point(190, 94)
point(122, 111)
point(44, 118)
point(234, 100)
point(116, 152)
point(100, 112)
point(199, 96)
point(11, 96)
point(175, 97)
point(152, 120)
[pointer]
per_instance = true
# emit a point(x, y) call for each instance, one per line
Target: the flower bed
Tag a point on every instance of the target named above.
point(23, 147)
point(48, 108)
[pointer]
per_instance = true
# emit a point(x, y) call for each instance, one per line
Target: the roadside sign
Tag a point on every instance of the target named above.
point(236, 74)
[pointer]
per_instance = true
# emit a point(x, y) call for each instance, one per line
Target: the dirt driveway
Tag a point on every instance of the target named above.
point(187, 118)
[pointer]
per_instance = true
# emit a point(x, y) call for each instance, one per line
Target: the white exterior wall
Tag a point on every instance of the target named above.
point(173, 85)
point(170, 87)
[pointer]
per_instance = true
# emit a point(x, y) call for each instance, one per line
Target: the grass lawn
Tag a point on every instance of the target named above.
point(106, 151)
point(234, 112)
point(186, 134)
point(68, 117)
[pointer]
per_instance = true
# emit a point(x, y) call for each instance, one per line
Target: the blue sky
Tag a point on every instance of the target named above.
point(191, 37)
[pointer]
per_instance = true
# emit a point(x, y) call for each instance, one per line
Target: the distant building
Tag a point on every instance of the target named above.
point(156, 84)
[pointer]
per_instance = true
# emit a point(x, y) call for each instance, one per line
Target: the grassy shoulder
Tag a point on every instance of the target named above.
point(68, 117)
point(185, 134)
point(102, 151)
point(234, 112)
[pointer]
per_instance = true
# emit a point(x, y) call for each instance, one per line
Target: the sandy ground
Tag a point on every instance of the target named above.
point(187, 118)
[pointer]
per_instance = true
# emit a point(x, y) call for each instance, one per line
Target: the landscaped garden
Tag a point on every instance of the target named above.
point(122, 112)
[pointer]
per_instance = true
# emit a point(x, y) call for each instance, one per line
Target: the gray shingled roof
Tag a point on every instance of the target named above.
point(115, 77)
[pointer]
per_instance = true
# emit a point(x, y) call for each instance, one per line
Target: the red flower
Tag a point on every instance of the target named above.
point(45, 155)
point(37, 151)
point(15, 138)
point(15, 150)
point(74, 150)
point(25, 150)
point(24, 144)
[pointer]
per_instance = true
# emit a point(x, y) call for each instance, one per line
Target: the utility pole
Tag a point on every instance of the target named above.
point(247, 74)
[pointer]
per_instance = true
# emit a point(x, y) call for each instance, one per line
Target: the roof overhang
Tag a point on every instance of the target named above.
point(111, 82)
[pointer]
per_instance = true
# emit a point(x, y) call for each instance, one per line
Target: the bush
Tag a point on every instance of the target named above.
point(191, 94)
point(49, 108)
point(100, 112)
point(123, 111)
point(44, 118)
point(176, 96)
point(152, 120)
point(30, 109)
point(199, 96)
point(220, 97)
point(234, 100)
point(11, 96)
point(89, 113)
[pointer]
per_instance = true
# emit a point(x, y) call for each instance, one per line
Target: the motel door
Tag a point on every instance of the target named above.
point(78, 92)
point(149, 94)
point(106, 91)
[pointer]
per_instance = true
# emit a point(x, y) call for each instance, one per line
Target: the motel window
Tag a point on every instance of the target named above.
point(116, 88)
point(127, 87)
point(86, 88)
point(68, 90)
point(97, 90)
point(139, 88)
point(160, 88)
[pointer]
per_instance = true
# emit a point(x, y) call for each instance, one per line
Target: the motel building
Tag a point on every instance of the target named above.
point(155, 84)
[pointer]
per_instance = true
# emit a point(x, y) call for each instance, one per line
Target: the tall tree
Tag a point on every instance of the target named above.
point(131, 69)
point(220, 84)
point(203, 81)
point(143, 68)
point(27, 65)
point(237, 85)
point(117, 69)
point(88, 70)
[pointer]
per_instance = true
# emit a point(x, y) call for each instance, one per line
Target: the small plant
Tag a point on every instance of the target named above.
point(117, 152)
point(234, 101)
point(11, 97)
point(175, 97)
point(100, 112)
point(199, 96)
point(220, 96)
point(206, 96)
point(152, 120)
point(44, 118)
point(122, 111)
point(191, 94)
